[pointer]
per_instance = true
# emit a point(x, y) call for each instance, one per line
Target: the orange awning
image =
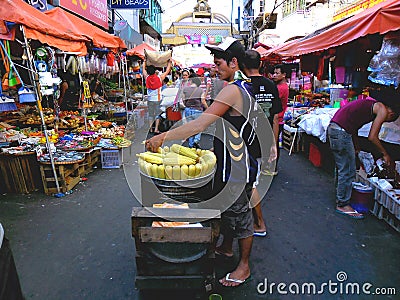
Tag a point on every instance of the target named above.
point(99, 37)
point(40, 27)
point(139, 50)
point(381, 18)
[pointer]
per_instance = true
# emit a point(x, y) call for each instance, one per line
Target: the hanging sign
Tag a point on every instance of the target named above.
point(93, 10)
point(130, 4)
point(39, 4)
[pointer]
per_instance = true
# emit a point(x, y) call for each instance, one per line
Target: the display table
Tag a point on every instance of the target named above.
point(68, 175)
point(387, 202)
point(20, 172)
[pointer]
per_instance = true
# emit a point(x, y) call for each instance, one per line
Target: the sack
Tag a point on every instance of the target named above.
point(157, 59)
point(173, 115)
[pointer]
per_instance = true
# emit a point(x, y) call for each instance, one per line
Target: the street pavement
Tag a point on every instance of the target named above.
point(80, 246)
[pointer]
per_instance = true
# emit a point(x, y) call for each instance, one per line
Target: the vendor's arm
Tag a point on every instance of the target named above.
point(226, 99)
point(203, 101)
point(144, 69)
point(63, 89)
point(381, 113)
point(169, 67)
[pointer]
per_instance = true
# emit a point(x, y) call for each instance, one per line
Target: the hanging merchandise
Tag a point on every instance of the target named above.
point(72, 65)
point(10, 79)
point(40, 59)
point(385, 65)
point(87, 97)
point(6, 103)
point(26, 95)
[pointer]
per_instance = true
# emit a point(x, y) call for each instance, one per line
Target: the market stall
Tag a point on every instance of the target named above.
point(35, 135)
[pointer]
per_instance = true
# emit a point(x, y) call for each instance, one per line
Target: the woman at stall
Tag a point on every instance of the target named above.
point(382, 106)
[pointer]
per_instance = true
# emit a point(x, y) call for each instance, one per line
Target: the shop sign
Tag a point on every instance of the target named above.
point(38, 4)
point(130, 4)
point(93, 10)
point(203, 39)
point(355, 8)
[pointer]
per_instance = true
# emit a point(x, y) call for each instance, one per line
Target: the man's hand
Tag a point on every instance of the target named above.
point(155, 142)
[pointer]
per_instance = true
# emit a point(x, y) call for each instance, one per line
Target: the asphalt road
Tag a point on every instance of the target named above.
point(80, 246)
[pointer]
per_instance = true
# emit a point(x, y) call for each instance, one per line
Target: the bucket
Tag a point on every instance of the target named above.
point(362, 198)
point(156, 190)
point(173, 115)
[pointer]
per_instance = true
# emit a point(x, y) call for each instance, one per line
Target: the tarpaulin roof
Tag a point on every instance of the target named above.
point(99, 37)
point(381, 18)
point(40, 27)
point(139, 50)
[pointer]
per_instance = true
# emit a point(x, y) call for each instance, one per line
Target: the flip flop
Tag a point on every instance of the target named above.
point(220, 254)
point(261, 234)
point(350, 214)
point(227, 278)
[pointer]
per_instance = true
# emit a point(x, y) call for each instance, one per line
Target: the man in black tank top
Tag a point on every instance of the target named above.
point(234, 191)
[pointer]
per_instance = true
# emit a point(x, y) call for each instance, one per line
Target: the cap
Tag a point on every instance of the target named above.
point(200, 71)
point(230, 44)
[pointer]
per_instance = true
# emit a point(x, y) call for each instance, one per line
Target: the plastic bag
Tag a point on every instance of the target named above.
point(385, 66)
point(367, 161)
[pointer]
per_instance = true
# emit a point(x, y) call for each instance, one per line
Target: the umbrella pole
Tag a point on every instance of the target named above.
point(35, 80)
point(123, 63)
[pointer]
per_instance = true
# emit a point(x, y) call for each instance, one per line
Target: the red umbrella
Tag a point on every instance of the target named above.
point(201, 65)
point(139, 50)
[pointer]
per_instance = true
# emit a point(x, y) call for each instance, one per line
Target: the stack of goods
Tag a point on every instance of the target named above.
point(63, 157)
point(177, 163)
point(72, 142)
point(33, 117)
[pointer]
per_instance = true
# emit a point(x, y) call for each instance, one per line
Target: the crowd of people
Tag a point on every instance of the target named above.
point(246, 106)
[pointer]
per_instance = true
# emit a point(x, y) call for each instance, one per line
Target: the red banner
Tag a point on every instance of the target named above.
point(93, 10)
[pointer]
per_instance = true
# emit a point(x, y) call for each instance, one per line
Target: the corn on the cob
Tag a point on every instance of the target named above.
point(184, 151)
point(168, 172)
point(192, 171)
point(150, 158)
point(141, 163)
point(199, 169)
point(178, 160)
point(161, 171)
point(184, 172)
point(176, 172)
point(154, 170)
point(147, 167)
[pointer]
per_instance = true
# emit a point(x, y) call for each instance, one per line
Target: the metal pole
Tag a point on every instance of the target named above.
point(35, 81)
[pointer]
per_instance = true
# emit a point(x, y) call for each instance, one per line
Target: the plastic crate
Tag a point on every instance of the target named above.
point(111, 159)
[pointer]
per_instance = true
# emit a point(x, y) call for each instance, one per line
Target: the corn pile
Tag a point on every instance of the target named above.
point(177, 162)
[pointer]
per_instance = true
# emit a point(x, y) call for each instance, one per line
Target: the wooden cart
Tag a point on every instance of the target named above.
point(175, 257)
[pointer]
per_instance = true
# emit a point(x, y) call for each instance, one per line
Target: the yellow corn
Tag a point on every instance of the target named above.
point(178, 161)
point(176, 172)
point(185, 172)
point(192, 171)
point(166, 149)
point(154, 170)
point(147, 167)
point(161, 171)
point(141, 163)
point(184, 151)
point(150, 158)
point(199, 170)
point(168, 172)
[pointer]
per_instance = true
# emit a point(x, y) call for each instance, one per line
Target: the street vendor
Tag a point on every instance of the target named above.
point(234, 113)
point(382, 106)
point(154, 83)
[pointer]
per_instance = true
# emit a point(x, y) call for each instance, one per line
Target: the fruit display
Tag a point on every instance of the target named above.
point(121, 142)
point(33, 118)
point(110, 133)
point(177, 163)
